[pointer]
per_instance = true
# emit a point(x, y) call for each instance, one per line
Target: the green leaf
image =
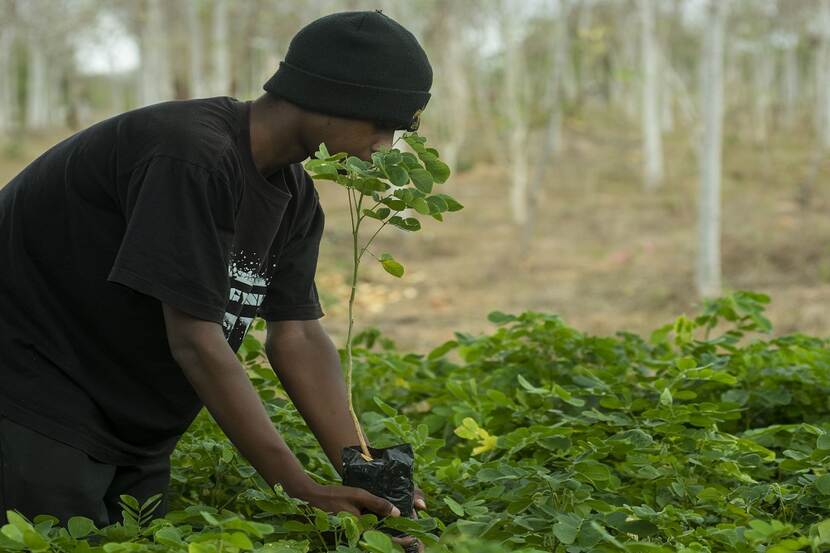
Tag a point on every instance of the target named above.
point(452, 203)
point(593, 470)
point(437, 204)
point(397, 175)
point(320, 167)
point(380, 213)
point(454, 506)
point(409, 224)
point(391, 266)
point(392, 157)
point(358, 165)
point(567, 528)
point(168, 535)
point(321, 520)
point(377, 542)
point(500, 318)
point(369, 185)
point(530, 387)
point(394, 204)
point(823, 441)
point(410, 161)
point(442, 350)
point(130, 501)
point(79, 527)
point(415, 142)
point(421, 206)
point(387, 409)
point(322, 152)
point(422, 179)
point(823, 484)
point(666, 397)
point(349, 525)
point(440, 171)
point(239, 540)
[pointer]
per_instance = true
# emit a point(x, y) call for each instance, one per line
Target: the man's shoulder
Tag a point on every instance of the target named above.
point(201, 132)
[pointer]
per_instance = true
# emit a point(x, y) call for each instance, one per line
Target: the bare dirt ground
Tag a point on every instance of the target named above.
point(606, 256)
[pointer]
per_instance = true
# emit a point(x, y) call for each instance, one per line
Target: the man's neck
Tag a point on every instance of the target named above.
point(275, 129)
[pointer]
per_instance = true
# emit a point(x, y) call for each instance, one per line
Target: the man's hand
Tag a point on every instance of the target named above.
point(357, 501)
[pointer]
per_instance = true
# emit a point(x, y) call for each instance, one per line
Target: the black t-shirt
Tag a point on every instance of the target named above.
point(159, 204)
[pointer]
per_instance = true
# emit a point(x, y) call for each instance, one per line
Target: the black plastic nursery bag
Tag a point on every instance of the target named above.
point(387, 475)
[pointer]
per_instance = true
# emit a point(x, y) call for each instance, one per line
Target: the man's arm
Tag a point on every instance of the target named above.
point(200, 349)
point(308, 365)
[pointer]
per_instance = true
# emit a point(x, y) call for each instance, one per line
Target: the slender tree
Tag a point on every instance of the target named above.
point(652, 138)
point(155, 78)
point(711, 95)
point(8, 69)
point(221, 82)
point(551, 144)
point(198, 87)
point(37, 83)
point(451, 80)
point(790, 91)
point(822, 76)
point(517, 125)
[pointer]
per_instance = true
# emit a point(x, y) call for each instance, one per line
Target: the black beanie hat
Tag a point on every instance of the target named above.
point(360, 65)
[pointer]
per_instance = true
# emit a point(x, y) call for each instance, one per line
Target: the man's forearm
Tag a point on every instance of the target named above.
point(308, 366)
point(223, 386)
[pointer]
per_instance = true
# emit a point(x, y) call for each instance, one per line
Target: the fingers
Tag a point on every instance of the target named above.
point(410, 544)
point(376, 504)
point(420, 502)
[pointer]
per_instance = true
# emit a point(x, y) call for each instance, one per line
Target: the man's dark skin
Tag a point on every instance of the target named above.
point(301, 352)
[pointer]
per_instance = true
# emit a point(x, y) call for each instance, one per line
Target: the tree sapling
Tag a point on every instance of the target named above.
point(380, 190)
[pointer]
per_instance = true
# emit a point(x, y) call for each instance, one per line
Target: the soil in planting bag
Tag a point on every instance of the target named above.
point(387, 475)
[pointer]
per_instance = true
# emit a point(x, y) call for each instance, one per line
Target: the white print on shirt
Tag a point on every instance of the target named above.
point(247, 291)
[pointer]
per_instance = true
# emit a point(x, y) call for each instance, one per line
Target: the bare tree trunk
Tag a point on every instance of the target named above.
point(8, 80)
point(552, 142)
point(709, 261)
point(489, 133)
point(455, 86)
point(666, 104)
point(197, 45)
point(155, 79)
point(763, 74)
point(37, 93)
point(631, 60)
point(652, 139)
point(822, 80)
point(221, 59)
point(790, 85)
point(517, 125)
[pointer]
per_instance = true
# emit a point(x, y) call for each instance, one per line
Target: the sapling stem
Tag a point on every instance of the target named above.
point(349, 362)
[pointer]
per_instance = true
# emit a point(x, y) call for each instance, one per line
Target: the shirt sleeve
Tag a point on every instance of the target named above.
point(292, 293)
point(179, 229)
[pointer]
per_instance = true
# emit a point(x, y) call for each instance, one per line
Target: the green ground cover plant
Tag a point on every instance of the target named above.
point(707, 435)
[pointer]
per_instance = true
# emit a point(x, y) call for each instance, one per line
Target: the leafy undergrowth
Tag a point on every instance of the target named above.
point(703, 437)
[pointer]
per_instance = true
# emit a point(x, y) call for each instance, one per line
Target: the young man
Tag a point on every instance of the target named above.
point(134, 255)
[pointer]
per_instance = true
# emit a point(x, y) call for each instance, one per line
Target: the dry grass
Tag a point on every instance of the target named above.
point(606, 256)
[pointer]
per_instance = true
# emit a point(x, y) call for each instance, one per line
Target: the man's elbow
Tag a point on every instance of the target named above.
point(189, 338)
point(287, 334)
